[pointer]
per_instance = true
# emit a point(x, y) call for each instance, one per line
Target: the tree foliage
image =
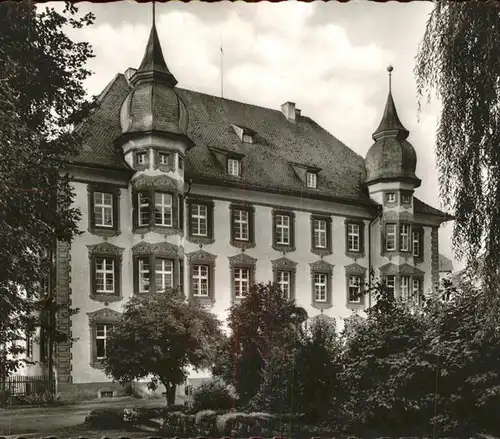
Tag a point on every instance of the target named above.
point(459, 59)
point(261, 327)
point(41, 96)
point(160, 336)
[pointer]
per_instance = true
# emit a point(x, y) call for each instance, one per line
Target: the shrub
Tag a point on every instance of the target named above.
point(178, 424)
point(212, 395)
point(205, 422)
point(107, 418)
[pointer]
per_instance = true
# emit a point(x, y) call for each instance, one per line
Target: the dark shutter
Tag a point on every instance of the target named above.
point(135, 209)
point(274, 228)
point(292, 230)
point(181, 212)
point(93, 285)
point(361, 237)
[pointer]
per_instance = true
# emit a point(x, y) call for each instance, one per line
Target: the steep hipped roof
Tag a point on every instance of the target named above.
point(267, 162)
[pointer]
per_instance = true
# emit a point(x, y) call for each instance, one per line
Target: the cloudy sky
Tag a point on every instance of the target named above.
point(329, 58)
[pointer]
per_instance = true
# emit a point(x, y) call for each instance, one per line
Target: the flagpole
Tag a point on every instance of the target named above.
point(221, 72)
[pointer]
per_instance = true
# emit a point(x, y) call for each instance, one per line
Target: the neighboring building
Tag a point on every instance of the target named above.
point(182, 189)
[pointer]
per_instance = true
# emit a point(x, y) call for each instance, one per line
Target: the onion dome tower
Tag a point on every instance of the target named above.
point(391, 160)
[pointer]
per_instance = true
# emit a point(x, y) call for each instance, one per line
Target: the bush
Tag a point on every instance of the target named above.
point(212, 395)
point(178, 424)
point(205, 422)
point(106, 419)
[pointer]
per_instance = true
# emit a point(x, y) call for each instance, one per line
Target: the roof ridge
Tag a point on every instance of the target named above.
point(105, 91)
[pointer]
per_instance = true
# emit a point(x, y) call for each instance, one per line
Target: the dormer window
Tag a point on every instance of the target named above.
point(311, 180)
point(141, 158)
point(234, 167)
point(164, 158)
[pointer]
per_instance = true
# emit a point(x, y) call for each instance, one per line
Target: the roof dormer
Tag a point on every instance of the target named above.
point(245, 134)
point(308, 174)
point(229, 160)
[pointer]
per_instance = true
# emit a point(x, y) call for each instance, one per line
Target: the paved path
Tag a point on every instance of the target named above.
point(46, 419)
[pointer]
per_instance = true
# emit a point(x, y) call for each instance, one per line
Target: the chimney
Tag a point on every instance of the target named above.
point(129, 73)
point(298, 113)
point(288, 109)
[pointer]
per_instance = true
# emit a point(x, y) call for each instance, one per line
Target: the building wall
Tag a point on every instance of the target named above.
point(79, 288)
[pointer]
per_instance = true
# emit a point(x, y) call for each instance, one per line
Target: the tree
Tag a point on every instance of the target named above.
point(261, 325)
point(159, 336)
point(459, 58)
point(41, 97)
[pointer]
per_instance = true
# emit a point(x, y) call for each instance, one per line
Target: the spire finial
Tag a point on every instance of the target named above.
point(154, 14)
point(390, 69)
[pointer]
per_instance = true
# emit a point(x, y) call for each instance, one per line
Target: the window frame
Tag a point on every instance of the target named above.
point(169, 166)
point(141, 166)
point(394, 235)
point(388, 201)
point(321, 251)
point(233, 160)
point(103, 316)
point(284, 264)
point(404, 238)
point(323, 268)
point(291, 230)
point(241, 261)
point(202, 258)
point(419, 230)
point(360, 253)
point(355, 269)
point(198, 239)
point(171, 207)
point(106, 251)
point(313, 180)
point(242, 244)
point(115, 193)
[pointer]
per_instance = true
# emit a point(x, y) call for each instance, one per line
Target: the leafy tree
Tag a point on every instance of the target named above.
point(41, 96)
point(459, 59)
point(159, 336)
point(261, 326)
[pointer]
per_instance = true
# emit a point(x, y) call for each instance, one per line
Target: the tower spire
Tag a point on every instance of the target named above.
point(153, 65)
point(390, 125)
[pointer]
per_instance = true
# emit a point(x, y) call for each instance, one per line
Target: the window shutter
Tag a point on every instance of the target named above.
point(274, 228)
point(210, 220)
point(292, 230)
point(116, 207)
point(251, 225)
point(91, 209)
point(181, 212)
point(329, 233)
point(231, 220)
point(362, 237)
point(135, 209)
point(93, 284)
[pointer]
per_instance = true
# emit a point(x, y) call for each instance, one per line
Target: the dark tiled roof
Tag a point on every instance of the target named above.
point(267, 162)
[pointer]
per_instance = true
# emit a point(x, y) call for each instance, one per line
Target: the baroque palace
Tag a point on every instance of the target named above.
point(187, 190)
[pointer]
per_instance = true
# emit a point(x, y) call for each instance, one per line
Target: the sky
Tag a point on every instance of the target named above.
point(329, 58)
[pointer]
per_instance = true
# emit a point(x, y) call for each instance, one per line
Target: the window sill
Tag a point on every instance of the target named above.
point(284, 248)
point(107, 232)
point(322, 305)
point(321, 251)
point(205, 240)
point(355, 255)
point(161, 230)
point(97, 364)
point(242, 244)
point(106, 298)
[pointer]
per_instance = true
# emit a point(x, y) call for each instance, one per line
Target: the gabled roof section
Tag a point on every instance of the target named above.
point(424, 209)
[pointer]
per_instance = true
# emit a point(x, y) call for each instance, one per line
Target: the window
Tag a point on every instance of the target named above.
point(242, 274)
point(234, 167)
point(241, 282)
point(164, 274)
point(143, 275)
point(415, 243)
point(103, 205)
point(156, 267)
point(105, 268)
point(406, 199)
point(141, 158)
point(417, 239)
point(163, 209)
point(320, 233)
point(284, 281)
point(103, 209)
point(144, 209)
point(247, 138)
point(390, 283)
point(404, 237)
point(199, 220)
point(416, 289)
point(320, 284)
point(354, 289)
point(181, 162)
point(311, 180)
point(353, 237)
point(390, 197)
point(241, 225)
point(390, 237)
point(405, 287)
point(200, 280)
point(105, 275)
point(282, 229)
point(102, 334)
point(164, 158)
